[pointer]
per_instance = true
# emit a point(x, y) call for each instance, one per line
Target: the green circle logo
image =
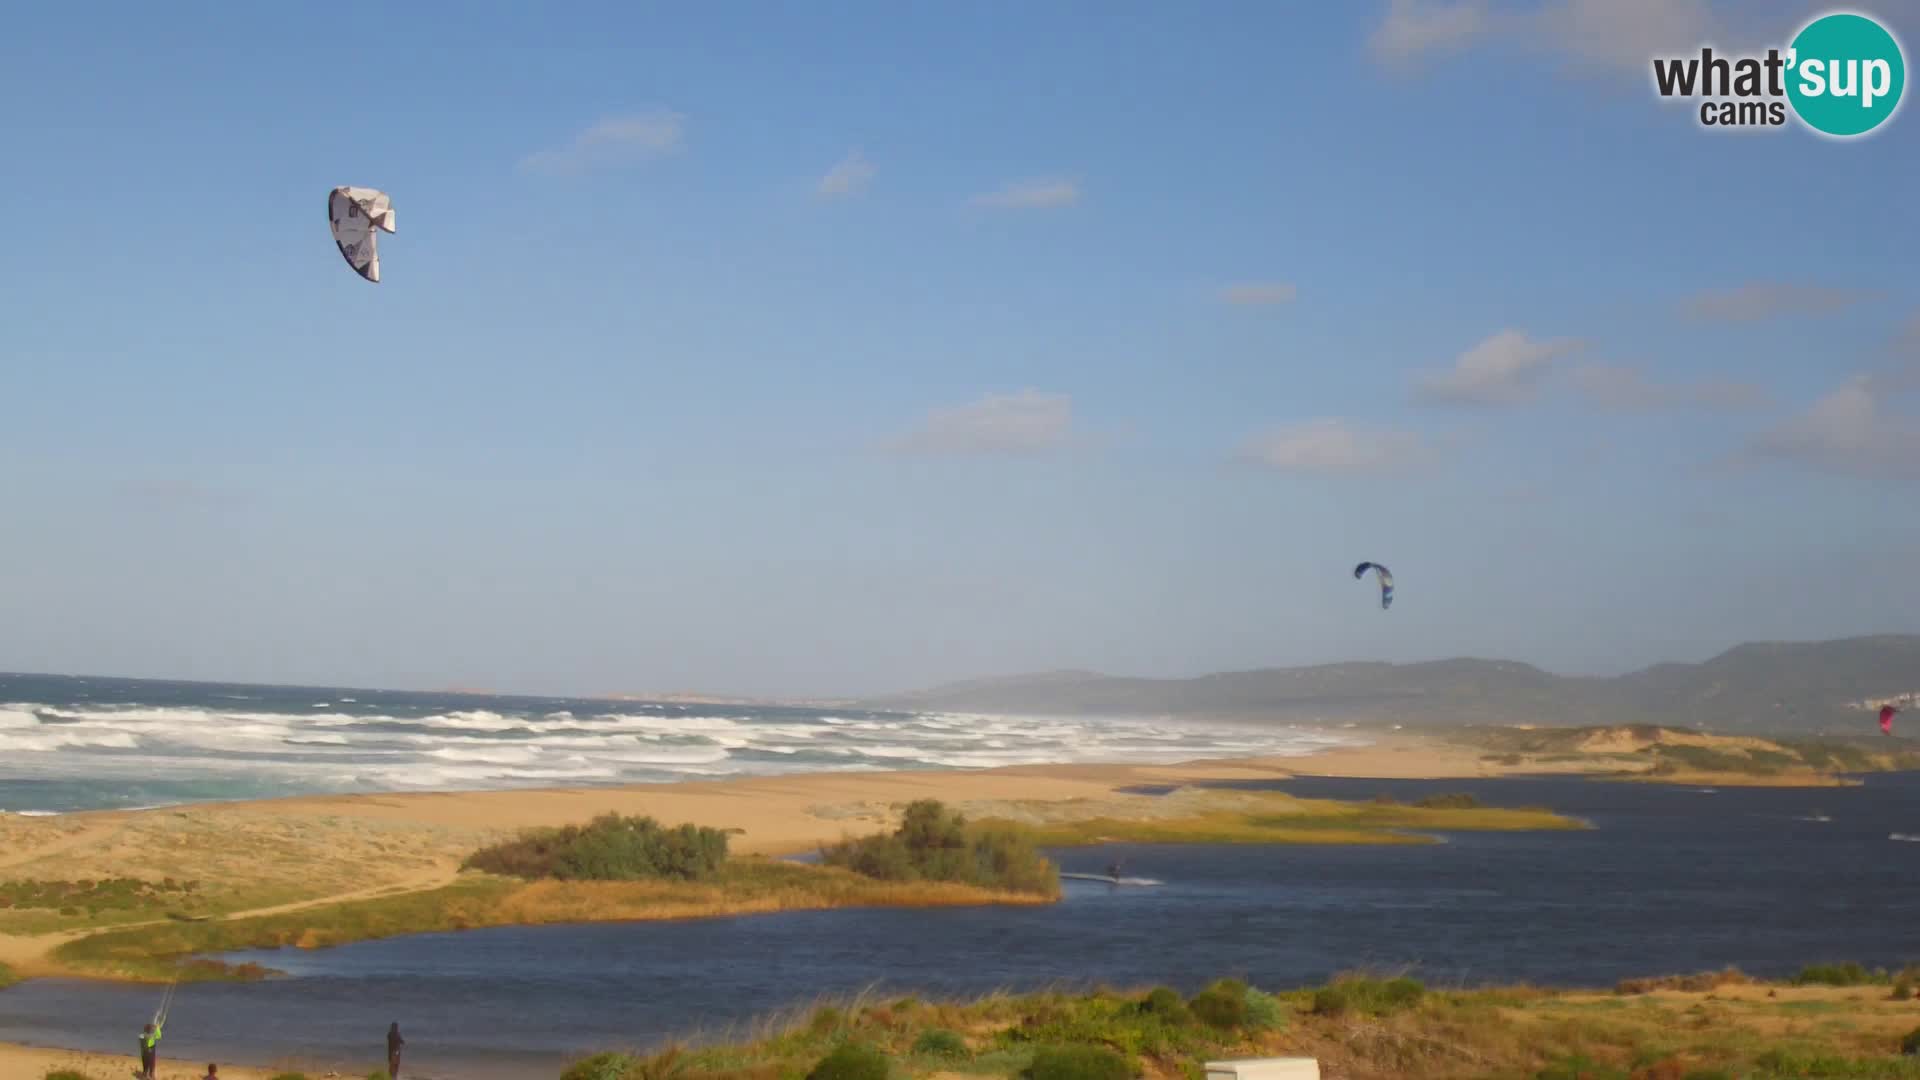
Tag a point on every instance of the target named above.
point(1845, 74)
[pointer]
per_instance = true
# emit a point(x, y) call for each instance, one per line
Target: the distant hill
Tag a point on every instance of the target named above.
point(1812, 687)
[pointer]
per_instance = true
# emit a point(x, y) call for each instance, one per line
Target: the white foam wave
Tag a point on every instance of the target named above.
point(57, 739)
point(335, 746)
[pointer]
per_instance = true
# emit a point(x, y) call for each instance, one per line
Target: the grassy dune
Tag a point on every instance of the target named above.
point(744, 886)
point(1649, 754)
point(1359, 1029)
point(88, 871)
point(1265, 817)
point(479, 900)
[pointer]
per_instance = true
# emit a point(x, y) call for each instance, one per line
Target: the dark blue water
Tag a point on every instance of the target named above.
point(1672, 879)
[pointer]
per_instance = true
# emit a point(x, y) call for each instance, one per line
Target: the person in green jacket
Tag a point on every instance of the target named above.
point(149, 1048)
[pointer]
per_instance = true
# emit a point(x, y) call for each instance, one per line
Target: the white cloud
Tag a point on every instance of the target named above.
point(1031, 195)
point(1505, 369)
point(1848, 432)
point(1415, 27)
point(1331, 445)
point(1259, 293)
point(613, 141)
point(1769, 299)
point(1628, 389)
point(1024, 423)
point(849, 177)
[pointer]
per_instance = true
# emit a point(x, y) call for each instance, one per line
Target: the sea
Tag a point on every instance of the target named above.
point(1668, 879)
point(74, 743)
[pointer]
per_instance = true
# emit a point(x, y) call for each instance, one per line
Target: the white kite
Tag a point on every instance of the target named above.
point(355, 213)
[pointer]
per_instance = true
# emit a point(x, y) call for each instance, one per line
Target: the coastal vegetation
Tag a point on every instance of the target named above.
point(933, 843)
point(609, 848)
point(43, 905)
point(1367, 1027)
point(1271, 817)
point(610, 869)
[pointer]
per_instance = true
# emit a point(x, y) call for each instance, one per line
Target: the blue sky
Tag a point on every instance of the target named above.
point(774, 350)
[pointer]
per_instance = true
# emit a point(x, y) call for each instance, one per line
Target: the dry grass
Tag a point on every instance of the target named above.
point(1657, 755)
point(1215, 817)
point(747, 886)
point(1505, 1034)
point(239, 863)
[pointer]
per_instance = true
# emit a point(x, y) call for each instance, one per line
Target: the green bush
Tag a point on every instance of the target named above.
point(64, 1074)
point(1222, 1005)
point(379, 1074)
point(1264, 1011)
point(1166, 1003)
point(1911, 1044)
point(610, 848)
point(826, 1020)
point(1847, 974)
point(1078, 1063)
point(290, 1076)
point(936, 844)
point(1359, 994)
point(940, 1043)
point(1902, 990)
point(607, 1066)
point(851, 1061)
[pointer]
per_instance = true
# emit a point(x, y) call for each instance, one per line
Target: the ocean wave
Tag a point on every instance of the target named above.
point(299, 744)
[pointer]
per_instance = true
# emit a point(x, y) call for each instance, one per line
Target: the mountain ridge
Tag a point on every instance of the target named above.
point(1772, 686)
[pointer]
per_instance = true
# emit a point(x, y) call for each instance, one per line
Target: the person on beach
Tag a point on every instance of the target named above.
point(213, 1072)
point(394, 1043)
point(149, 1048)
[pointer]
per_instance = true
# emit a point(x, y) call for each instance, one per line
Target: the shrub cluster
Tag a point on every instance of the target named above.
point(1079, 1063)
point(610, 848)
point(1370, 996)
point(105, 894)
point(940, 1043)
point(936, 844)
point(851, 1061)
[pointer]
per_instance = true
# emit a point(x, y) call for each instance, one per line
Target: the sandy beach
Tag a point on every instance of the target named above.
point(31, 1063)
